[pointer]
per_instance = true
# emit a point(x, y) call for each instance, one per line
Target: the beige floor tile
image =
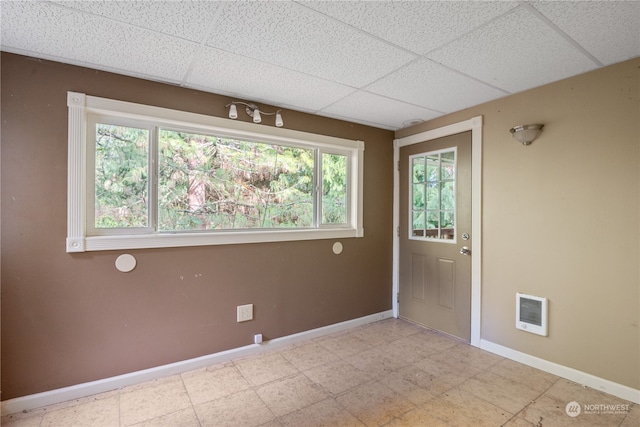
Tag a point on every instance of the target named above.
point(345, 345)
point(374, 403)
point(460, 408)
point(438, 341)
point(265, 368)
point(290, 394)
point(398, 327)
point(564, 391)
point(309, 356)
point(101, 412)
point(459, 367)
point(154, 400)
point(273, 423)
point(444, 377)
point(401, 352)
point(569, 391)
point(465, 355)
point(376, 333)
point(21, 419)
point(243, 409)
point(376, 362)
point(324, 413)
point(549, 410)
point(534, 378)
point(214, 382)
point(184, 418)
point(632, 418)
point(519, 422)
point(412, 383)
point(413, 348)
point(500, 391)
point(337, 377)
point(417, 418)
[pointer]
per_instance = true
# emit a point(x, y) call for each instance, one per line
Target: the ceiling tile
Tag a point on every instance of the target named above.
point(378, 111)
point(433, 86)
point(419, 26)
point(45, 28)
point(184, 19)
point(618, 35)
point(235, 75)
point(516, 52)
point(295, 37)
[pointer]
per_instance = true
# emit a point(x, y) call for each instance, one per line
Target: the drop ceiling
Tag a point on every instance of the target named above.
point(386, 64)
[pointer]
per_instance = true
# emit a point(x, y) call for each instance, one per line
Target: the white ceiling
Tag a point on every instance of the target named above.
point(383, 64)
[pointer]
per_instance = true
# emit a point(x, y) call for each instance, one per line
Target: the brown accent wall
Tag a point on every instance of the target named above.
point(73, 318)
point(561, 219)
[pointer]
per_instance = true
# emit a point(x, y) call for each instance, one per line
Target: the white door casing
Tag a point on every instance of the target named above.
point(475, 126)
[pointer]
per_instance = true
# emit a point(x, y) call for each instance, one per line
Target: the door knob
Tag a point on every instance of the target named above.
point(465, 250)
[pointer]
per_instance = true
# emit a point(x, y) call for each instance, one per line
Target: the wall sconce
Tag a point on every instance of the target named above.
point(253, 111)
point(526, 134)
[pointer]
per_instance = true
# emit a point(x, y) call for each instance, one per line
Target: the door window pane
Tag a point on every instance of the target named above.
point(418, 196)
point(418, 223)
point(417, 169)
point(434, 202)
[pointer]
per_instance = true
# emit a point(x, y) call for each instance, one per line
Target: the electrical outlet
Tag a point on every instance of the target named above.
point(245, 312)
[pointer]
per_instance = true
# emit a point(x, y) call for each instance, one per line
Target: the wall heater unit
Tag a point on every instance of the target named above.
point(531, 314)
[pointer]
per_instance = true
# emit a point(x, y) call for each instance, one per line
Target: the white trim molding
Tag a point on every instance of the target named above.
point(84, 109)
point(52, 397)
point(475, 126)
point(582, 378)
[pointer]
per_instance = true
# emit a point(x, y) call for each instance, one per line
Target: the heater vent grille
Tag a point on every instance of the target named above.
point(531, 314)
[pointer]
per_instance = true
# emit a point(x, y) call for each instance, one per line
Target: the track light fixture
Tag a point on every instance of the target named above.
point(253, 111)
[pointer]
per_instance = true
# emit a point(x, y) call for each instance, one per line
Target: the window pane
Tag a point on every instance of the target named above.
point(334, 189)
point(418, 223)
point(418, 169)
point(121, 176)
point(207, 183)
point(418, 196)
point(433, 165)
point(433, 223)
point(433, 196)
point(447, 196)
point(448, 169)
point(447, 224)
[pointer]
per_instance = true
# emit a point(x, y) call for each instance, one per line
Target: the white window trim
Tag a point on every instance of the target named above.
point(80, 105)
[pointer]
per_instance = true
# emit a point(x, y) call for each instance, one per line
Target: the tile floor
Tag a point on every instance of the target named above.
point(388, 373)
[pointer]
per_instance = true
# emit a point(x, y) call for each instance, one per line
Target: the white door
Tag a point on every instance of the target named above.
point(435, 234)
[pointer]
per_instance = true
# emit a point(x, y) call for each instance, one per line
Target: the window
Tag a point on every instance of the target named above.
point(433, 195)
point(142, 177)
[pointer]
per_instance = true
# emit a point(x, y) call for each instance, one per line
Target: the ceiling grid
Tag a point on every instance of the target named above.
point(379, 63)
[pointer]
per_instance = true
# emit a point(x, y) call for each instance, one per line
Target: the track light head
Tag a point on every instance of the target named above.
point(254, 112)
point(233, 111)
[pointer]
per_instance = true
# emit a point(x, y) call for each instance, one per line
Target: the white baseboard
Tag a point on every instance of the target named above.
point(51, 397)
point(583, 378)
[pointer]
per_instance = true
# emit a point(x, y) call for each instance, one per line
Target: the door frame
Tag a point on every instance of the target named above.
point(475, 126)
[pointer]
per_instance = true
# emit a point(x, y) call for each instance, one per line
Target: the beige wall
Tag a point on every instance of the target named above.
point(73, 318)
point(560, 219)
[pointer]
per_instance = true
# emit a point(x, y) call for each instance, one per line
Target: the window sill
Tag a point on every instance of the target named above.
point(105, 243)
